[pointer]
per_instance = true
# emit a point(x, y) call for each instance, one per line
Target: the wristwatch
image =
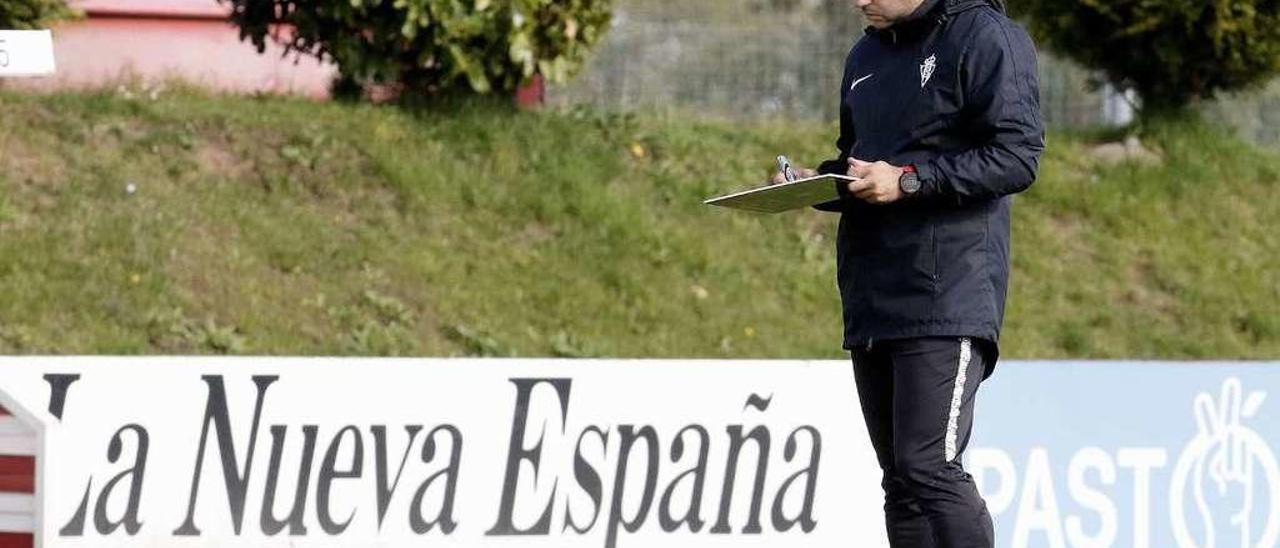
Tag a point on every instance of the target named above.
point(909, 182)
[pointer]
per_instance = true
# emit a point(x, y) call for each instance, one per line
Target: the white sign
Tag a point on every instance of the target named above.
point(188, 452)
point(26, 53)
point(1067, 455)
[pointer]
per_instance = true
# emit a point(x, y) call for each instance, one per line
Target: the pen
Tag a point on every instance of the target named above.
point(784, 167)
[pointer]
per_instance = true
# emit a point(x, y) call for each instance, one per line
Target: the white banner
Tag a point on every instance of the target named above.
point(187, 452)
point(26, 53)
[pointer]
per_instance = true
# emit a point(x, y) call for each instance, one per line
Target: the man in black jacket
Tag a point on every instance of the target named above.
point(940, 118)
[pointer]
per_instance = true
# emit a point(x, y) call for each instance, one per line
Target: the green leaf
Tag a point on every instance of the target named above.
point(521, 52)
point(433, 46)
point(471, 68)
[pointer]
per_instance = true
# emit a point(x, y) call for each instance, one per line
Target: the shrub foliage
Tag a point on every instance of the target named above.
point(31, 14)
point(433, 46)
point(1172, 52)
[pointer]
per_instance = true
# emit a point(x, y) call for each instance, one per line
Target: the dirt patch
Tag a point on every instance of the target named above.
point(32, 182)
point(216, 157)
point(1131, 150)
point(26, 164)
point(1069, 229)
point(1144, 289)
point(537, 233)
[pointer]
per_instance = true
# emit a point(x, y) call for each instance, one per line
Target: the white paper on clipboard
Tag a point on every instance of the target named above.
point(785, 197)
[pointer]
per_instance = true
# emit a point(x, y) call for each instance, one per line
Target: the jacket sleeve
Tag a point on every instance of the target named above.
point(1001, 116)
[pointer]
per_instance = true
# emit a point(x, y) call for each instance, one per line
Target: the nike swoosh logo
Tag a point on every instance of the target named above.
point(860, 80)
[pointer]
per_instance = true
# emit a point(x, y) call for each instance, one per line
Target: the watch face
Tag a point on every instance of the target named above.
point(910, 183)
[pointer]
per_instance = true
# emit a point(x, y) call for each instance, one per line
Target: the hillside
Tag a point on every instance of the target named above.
point(141, 223)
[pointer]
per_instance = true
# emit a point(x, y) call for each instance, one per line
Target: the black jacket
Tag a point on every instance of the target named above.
point(953, 91)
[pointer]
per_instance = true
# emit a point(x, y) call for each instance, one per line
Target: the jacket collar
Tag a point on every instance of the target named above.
point(930, 14)
point(957, 6)
point(923, 12)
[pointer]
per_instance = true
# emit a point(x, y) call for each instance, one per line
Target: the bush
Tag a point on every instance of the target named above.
point(31, 14)
point(1174, 53)
point(433, 46)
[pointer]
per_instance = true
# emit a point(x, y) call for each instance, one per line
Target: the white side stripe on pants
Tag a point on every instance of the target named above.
point(957, 396)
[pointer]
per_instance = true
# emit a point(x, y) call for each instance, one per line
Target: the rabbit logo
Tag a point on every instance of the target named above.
point(1226, 484)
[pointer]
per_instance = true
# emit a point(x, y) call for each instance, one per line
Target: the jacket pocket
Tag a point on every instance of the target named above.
point(961, 249)
point(933, 248)
point(910, 253)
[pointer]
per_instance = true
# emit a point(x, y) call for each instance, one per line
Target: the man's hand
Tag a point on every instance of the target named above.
point(801, 173)
point(878, 182)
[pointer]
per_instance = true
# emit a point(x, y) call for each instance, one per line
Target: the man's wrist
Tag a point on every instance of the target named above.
point(909, 181)
point(927, 173)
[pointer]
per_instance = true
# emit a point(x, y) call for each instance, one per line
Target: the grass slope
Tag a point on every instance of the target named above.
point(272, 226)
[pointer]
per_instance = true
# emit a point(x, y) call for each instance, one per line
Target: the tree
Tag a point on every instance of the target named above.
point(32, 14)
point(431, 47)
point(1173, 53)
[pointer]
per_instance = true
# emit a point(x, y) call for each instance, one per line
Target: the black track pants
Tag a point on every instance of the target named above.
point(917, 397)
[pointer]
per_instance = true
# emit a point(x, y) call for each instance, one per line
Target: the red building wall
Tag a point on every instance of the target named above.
point(155, 40)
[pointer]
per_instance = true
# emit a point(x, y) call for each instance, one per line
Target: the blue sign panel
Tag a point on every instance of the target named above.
point(1085, 454)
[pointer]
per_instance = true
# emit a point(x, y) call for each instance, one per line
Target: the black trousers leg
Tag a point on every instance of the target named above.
point(905, 520)
point(917, 398)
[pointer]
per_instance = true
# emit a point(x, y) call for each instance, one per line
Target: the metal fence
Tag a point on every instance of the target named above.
point(745, 59)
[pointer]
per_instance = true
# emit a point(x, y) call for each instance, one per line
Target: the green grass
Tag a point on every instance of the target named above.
point(273, 226)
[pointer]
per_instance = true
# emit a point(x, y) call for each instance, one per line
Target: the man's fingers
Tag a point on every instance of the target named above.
point(859, 185)
point(865, 190)
point(860, 168)
point(800, 173)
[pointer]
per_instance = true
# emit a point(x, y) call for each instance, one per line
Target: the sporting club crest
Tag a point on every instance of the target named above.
point(926, 69)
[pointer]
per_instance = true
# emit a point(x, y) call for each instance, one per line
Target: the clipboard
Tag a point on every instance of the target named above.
point(796, 194)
